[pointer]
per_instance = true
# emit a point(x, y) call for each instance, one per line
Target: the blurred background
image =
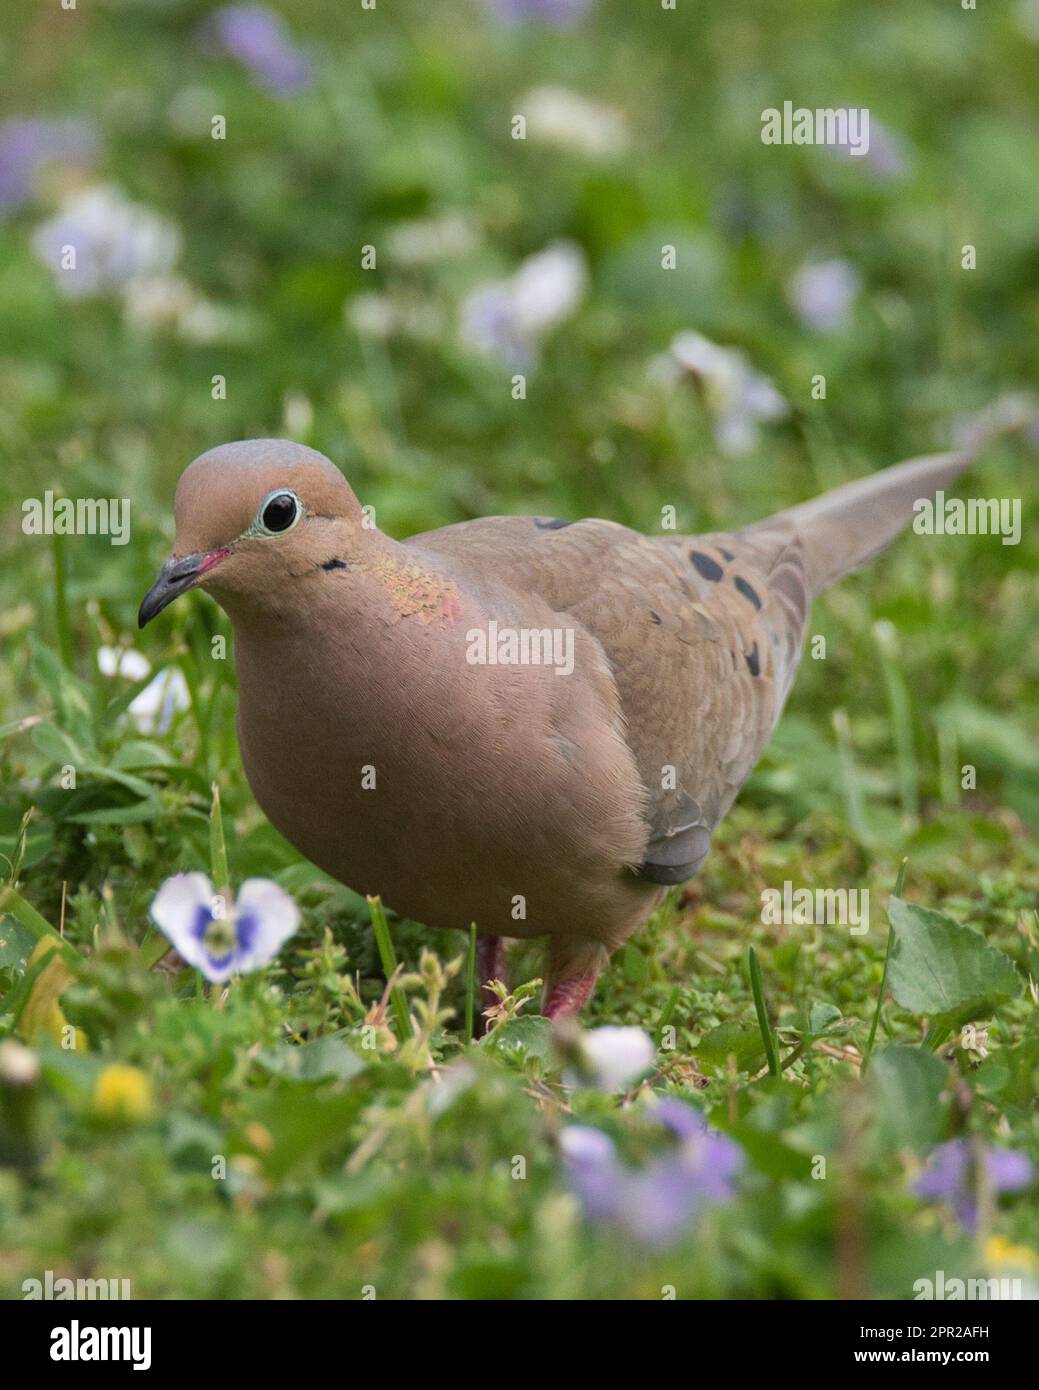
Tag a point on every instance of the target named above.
point(313, 220)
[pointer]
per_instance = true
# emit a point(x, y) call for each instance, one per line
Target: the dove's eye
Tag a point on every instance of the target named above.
point(279, 511)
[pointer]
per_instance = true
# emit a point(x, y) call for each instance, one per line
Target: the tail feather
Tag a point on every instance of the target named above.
point(844, 528)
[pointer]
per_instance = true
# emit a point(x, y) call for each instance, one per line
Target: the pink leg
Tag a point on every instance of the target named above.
point(490, 965)
point(572, 969)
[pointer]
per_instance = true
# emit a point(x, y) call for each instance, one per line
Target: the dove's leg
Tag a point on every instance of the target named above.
point(571, 970)
point(490, 965)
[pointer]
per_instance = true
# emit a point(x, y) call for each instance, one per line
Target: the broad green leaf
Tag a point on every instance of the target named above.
point(944, 971)
point(732, 1039)
point(60, 747)
point(140, 752)
point(822, 1019)
point(530, 1035)
point(16, 943)
point(907, 1083)
point(324, 1059)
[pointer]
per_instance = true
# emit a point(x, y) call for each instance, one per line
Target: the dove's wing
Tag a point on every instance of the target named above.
point(703, 634)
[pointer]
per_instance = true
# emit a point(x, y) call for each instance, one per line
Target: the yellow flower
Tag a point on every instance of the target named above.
point(1002, 1253)
point(123, 1093)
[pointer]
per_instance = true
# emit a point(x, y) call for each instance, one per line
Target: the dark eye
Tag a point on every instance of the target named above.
point(279, 511)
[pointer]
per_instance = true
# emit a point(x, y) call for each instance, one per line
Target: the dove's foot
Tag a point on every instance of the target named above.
point(490, 965)
point(571, 972)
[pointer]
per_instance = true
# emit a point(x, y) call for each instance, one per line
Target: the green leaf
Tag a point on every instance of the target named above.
point(135, 813)
point(327, 1058)
point(822, 1019)
point(16, 943)
point(732, 1039)
point(140, 752)
point(634, 965)
point(56, 744)
point(527, 1036)
point(944, 971)
point(907, 1084)
point(70, 696)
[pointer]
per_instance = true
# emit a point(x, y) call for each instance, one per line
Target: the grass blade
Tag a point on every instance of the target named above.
point(470, 983)
point(850, 778)
point(388, 957)
point(762, 1012)
point(218, 845)
point(61, 605)
point(899, 881)
point(901, 720)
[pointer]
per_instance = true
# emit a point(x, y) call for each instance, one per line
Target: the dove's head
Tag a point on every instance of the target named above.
point(254, 519)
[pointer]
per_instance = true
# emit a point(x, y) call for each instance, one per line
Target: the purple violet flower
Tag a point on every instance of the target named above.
point(29, 144)
point(561, 14)
point(259, 39)
point(949, 1176)
point(657, 1203)
point(219, 939)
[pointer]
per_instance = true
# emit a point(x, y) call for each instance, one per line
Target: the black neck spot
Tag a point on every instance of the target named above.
point(335, 565)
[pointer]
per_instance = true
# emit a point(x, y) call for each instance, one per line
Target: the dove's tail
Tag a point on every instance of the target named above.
point(844, 528)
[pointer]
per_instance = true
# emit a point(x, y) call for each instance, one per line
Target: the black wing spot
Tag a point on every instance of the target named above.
point(753, 661)
point(335, 565)
point(727, 554)
point(748, 591)
point(705, 566)
point(553, 524)
point(655, 616)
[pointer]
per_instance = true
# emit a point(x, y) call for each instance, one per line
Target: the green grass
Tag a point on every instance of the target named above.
point(313, 1135)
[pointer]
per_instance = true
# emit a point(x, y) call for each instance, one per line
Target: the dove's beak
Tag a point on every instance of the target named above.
point(178, 574)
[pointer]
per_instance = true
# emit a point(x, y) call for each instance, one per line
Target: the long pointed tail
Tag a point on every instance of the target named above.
point(844, 528)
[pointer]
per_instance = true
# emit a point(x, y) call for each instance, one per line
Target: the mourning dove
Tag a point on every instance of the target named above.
point(530, 724)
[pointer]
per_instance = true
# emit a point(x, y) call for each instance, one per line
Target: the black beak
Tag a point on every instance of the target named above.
point(177, 575)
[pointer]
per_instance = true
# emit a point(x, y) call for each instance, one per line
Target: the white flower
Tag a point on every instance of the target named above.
point(736, 396)
point(19, 1065)
point(123, 661)
point(432, 239)
point(370, 314)
point(219, 939)
point(823, 292)
point(101, 241)
point(507, 319)
point(560, 117)
point(615, 1057)
point(167, 303)
point(154, 708)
